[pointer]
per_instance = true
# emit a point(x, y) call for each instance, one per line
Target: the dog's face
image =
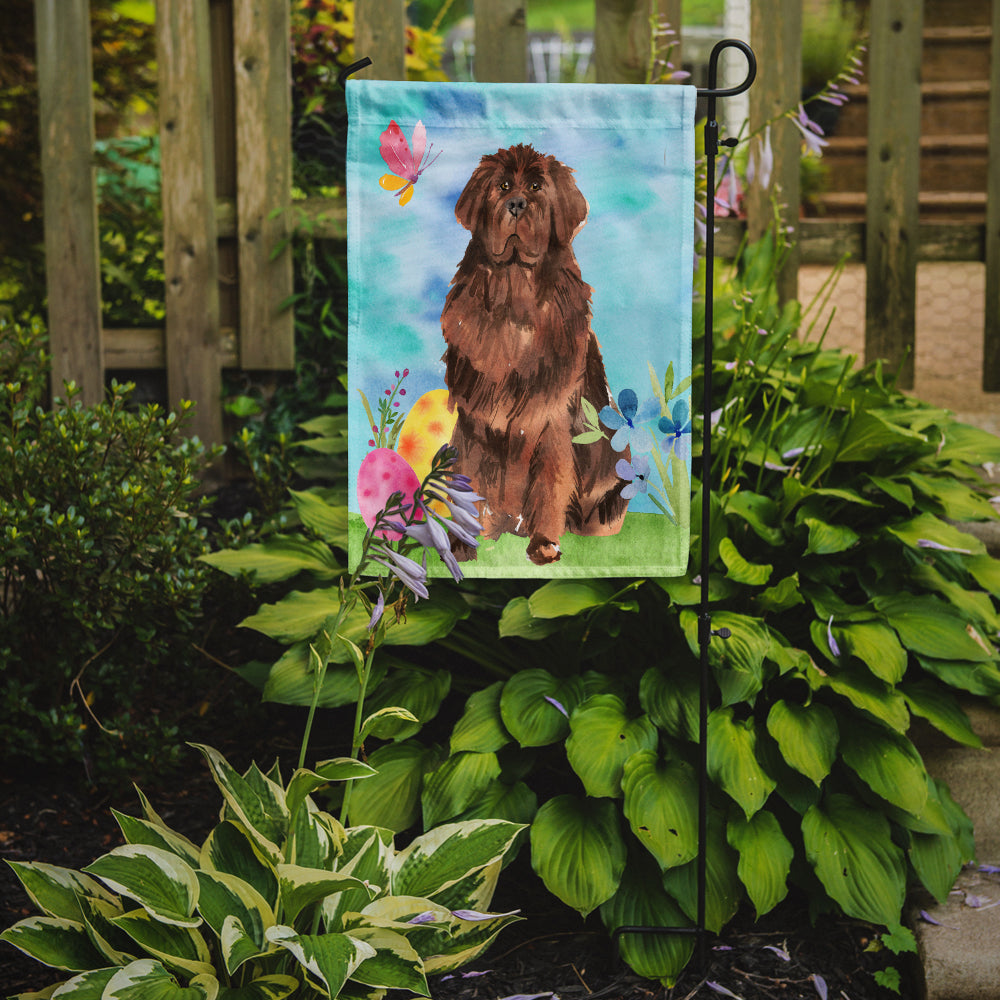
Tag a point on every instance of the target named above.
point(521, 202)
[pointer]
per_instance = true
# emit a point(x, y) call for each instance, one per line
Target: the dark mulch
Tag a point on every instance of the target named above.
point(551, 951)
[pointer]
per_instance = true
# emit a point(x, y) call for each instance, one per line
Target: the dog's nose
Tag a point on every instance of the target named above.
point(517, 205)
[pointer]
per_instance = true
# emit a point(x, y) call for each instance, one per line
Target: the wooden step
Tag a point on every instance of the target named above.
point(956, 53)
point(957, 206)
point(947, 162)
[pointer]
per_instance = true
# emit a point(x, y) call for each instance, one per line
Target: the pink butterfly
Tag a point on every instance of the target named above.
point(406, 161)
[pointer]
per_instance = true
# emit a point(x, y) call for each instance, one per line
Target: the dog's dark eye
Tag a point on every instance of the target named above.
point(505, 185)
point(535, 186)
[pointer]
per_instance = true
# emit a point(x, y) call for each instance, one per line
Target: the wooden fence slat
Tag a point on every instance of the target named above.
point(622, 40)
point(190, 253)
point(380, 34)
point(776, 36)
point(72, 256)
point(991, 331)
point(893, 184)
point(501, 41)
point(261, 57)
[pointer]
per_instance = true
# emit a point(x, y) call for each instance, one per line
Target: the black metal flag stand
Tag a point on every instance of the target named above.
point(705, 630)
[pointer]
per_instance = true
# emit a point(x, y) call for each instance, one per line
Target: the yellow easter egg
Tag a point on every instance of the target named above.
point(428, 426)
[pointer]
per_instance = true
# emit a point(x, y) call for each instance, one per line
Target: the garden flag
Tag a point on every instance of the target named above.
point(520, 275)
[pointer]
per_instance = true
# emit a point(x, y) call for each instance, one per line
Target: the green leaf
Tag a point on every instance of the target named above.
point(661, 798)
point(732, 760)
point(807, 736)
point(876, 646)
point(866, 692)
point(481, 727)
point(738, 662)
point(274, 987)
point(292, 679)
point(54, 941)
point(395, 964)
point(86, 986)
point(765, 858)
point(230, 849)
point(760, 512)
point(783, 595)
point(384, 723)
point(331, 959)
point(141, 831)
point(965, 443)
point(163, 884)
point(559, 598)
point(869, 436)
point(937, 859)
point(181, 948)
point(738, 569)
point(301, 887)
point(517, 620)
point(578, 851)
point(588, 437)
point(456, 784)
point(418, 690)
point(601, 739)
point(888, 763)
point(956, 500)
point(147, 979)
point(976, 678)
point(941, 709)
point(850, 848)
point(723, 889)
point(279, 558)
point(927, 527)
point(327, 520)
point(391, 798)
point(828, 539)
point(671, 700)
point(640, 901)
point(438, 859)
point(931, 628)
point(223, 897)
point(529, 716)
point(304, 782)
point(56, 891)
point(516, 803)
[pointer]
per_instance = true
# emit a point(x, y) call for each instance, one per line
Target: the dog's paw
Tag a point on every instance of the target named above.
point(462, 551)
point(542, 551)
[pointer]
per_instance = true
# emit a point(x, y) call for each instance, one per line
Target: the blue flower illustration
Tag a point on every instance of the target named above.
point(621, 422)
point(636, 473)
point(675, 427)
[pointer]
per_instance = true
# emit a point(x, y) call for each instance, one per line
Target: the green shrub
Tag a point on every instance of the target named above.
point(279, 900)
point(99, 546)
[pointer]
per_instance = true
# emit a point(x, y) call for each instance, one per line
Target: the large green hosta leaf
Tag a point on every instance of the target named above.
point(888, 763)
point(932, 628)
point(601, 740)
point(456, 784)
point(807, 736)
point(229, 848)
point(278, 558)
point(670, 698)
point(416, 689)
point(765, 858)
point(732, 760)
point(481, 728)
point(181, 948)
point(147, 979)
point(578, 851)
point(56, 891)
point(535, 706)
point(391, 798)
point(661, 805)
point(941, 709)
point(738, 661)
point(641, 901)
point(850, 848)
point(876, 646)
point(559, 598)
point(55, 941)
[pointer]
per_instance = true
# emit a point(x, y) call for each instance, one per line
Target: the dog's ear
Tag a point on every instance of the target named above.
point(470, 202)
point(569, 207)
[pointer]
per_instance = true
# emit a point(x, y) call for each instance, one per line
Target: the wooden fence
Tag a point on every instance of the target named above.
point(226, 161)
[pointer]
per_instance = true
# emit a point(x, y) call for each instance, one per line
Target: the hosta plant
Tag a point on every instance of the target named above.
point(279, 900)
point(855, 605)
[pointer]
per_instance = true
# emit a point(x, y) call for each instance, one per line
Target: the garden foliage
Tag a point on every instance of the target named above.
point(854, 605)
point(99, 546)
point(280, 899)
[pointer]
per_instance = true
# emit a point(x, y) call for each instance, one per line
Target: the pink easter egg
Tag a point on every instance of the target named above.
point(382, 473)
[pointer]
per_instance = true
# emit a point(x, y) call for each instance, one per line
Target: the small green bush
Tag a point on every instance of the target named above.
point(99, 578)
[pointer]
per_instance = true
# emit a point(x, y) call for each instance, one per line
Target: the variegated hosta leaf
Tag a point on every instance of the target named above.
point(56, 891)
point(304, 782)
point(602, 737)
point(578, 851)
point(273, 987)
point(661, 799)
point(723, 889)
point(230, 849)
point(225, 897)
point(315, 838)
point(535, 706)
point(367, 853)
point(395, 964)
point(476, 890)
point(850, 847)
point(141, 831)
point(158, 880)
point(54, 941)
point(116, 947)
point(177, 947)
point(466, 941)
point(481, 727)
point(86, 986)
point(765, 858)
point(329, 959)
point(456, 784)
point(732, 760)
point(441, 857)
point(807, 736)
point(256, 801)
point(147, 979)
point(300, 887)
point(642, 902)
